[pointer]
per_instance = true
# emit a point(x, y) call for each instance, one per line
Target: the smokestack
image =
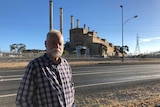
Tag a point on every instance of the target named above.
point(61, 20)
point(50, 15)
point(72, 22)
point(88, 28)
point(84, 26)
point(77, 23)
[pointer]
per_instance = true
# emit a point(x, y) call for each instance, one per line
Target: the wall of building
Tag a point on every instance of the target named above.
point(96, 45)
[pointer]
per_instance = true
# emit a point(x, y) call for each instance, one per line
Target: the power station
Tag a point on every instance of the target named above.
point(85, 42)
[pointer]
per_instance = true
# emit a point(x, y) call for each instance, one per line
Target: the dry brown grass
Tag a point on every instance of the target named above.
point(24, 64)
point(13, 64)
point(77, 63)
point(145, 94)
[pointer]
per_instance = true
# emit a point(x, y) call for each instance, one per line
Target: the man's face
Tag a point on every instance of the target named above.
point(54, 45)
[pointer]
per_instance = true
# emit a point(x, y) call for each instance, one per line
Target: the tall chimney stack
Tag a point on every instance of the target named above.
point(61, 20)
point(50, 15)
point(84, 26)
point(72, 22)
point(77, 23)
point(88, 29)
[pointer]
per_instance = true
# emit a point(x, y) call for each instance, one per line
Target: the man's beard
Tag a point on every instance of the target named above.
point(56, 53)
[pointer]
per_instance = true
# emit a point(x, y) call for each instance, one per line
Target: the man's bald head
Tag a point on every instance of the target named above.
point(54, 33)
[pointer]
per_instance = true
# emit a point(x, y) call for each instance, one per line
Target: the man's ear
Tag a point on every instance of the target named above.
point(45, 43)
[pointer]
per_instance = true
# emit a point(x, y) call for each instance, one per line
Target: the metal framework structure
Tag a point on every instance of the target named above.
point(137, 49)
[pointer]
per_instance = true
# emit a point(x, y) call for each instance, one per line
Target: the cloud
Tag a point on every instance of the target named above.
point(149, 39)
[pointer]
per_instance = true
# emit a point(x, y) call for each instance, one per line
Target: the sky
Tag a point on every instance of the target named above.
point(27, 21)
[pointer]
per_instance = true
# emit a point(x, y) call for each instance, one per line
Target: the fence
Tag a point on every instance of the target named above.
point(25, 57)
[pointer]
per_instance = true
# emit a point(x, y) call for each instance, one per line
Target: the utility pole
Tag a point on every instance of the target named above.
point(122, 34)
point(124, 22)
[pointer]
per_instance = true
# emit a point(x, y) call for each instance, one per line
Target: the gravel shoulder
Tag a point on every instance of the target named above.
point(132, 94)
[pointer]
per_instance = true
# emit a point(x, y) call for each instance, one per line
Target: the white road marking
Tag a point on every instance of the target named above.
point(11, 79)
point(11, 76)
point(90, 73)
point(96, 84)
point(7, 95)
point(120, 81)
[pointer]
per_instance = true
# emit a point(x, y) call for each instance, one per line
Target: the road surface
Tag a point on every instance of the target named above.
point(86, 76)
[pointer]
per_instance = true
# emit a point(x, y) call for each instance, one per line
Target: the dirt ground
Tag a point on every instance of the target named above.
point(140, 94)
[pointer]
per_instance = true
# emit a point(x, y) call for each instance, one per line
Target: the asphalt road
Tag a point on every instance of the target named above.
point(85, 76)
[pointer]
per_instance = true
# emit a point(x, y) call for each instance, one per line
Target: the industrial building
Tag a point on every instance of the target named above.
point(86, 42)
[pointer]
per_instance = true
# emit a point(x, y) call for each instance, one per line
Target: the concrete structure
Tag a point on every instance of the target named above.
point(86, 42)
point(1, 54)
point(61, 20)
point(50, 15)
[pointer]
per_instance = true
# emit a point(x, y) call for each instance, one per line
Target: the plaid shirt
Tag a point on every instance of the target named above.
point(46, 85)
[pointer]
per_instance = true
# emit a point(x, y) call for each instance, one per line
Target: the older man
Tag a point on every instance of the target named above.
point(47, 81)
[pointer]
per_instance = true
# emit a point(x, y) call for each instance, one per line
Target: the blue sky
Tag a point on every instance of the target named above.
point(27, 21)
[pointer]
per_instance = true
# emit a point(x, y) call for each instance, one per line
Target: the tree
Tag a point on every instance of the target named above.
point(21, 48)
point(118, 49)
point(13, 47)
point(67, 46)
point(124, 49)
point(17, 48)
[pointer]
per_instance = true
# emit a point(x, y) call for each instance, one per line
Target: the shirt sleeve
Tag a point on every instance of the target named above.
point(25, 94)
point(72, 85)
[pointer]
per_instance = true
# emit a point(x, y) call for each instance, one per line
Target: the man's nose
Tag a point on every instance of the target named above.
point(57, 45)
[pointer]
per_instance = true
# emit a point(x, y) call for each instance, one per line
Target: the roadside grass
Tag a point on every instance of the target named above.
point(143, 94)
point(84, 63)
